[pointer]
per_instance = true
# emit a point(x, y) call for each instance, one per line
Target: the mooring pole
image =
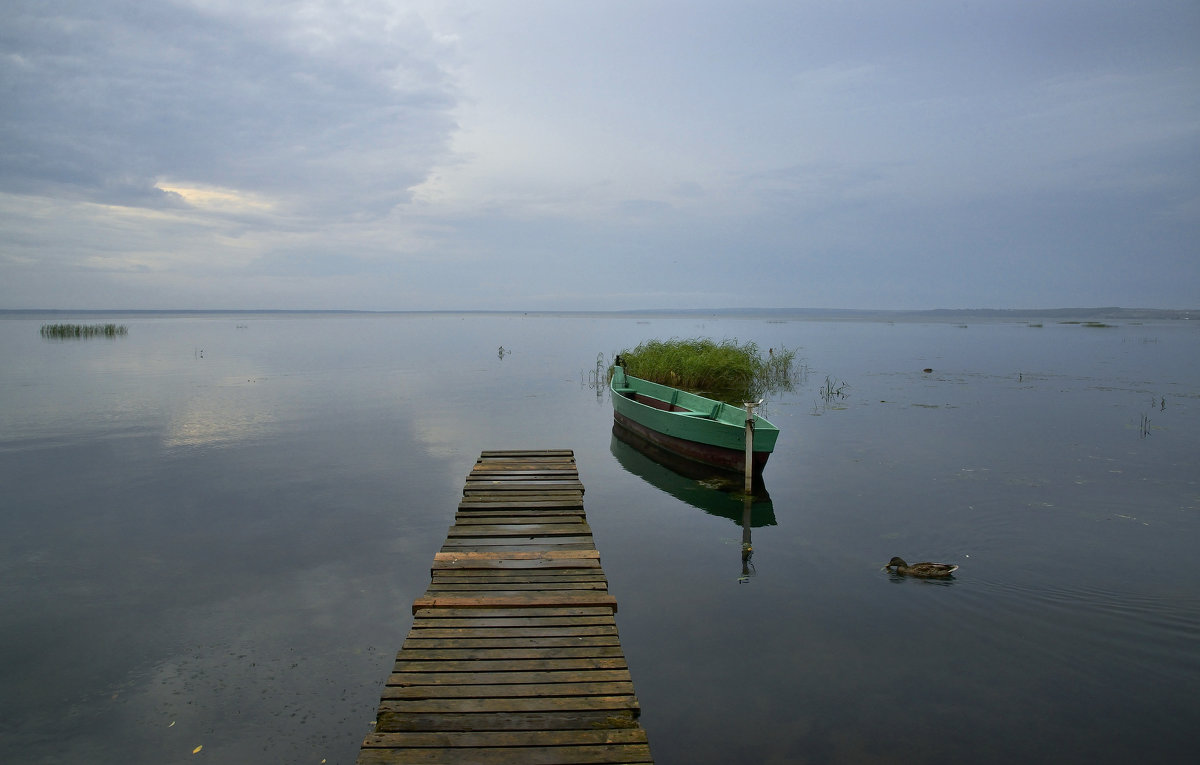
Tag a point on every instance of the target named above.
point(750, 443)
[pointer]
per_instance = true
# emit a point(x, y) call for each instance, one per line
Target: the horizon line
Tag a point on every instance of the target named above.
point(619, 311)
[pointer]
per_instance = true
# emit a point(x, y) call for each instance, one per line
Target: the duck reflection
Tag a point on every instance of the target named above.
point(714, 492)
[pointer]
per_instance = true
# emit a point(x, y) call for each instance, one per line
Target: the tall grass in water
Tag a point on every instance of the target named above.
point(731, 371)
point(73, 331)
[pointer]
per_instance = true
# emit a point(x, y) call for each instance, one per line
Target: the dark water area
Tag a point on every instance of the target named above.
point(212, 529)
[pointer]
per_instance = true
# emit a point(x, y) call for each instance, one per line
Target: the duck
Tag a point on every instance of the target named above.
point(926, 570)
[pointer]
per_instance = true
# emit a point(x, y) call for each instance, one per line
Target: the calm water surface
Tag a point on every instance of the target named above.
point(211, 531)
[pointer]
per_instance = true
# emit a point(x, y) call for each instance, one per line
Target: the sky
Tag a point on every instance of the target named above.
point(551, 155)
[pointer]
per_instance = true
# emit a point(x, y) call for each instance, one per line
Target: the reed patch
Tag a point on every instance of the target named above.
point(728, 369)
point(82, 331)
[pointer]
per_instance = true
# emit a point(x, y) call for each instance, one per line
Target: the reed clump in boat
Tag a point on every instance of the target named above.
point(71, 331)
point(728, 370)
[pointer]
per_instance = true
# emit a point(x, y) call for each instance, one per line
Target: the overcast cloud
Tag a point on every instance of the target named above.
point(364, 154)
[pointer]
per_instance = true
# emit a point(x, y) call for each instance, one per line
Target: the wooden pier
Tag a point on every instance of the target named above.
point(513, 656)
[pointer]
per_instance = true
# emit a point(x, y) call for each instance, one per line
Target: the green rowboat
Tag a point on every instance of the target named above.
point(701, 429)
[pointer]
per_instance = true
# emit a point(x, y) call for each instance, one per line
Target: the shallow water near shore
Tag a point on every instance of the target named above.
point(212, 528)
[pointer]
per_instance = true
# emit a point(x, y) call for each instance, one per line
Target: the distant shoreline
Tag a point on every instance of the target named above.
point(846, 314)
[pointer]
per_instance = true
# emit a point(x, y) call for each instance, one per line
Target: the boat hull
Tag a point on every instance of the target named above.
point(700, 429)
point(721, 458)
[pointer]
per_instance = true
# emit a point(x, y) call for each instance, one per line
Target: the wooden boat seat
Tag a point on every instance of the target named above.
point(657, 403)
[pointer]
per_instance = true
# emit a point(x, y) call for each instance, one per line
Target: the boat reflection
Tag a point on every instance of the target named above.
point(714, 492)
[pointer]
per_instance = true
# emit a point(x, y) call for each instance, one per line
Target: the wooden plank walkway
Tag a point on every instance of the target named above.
point(513, 656)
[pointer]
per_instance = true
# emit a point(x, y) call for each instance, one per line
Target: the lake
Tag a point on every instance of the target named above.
point(212, 530)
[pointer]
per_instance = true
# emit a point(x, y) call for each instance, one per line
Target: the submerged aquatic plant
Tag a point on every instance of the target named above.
point(833, 389)
point(597, 377)
point(731, 371)
point(72, 331)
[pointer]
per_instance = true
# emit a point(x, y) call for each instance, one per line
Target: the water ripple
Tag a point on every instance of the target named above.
point(1156, 631)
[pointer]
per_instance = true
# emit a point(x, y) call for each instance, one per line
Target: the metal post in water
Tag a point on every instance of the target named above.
point(750, 443)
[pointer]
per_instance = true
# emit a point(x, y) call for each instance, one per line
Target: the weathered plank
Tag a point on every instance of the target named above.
point(483, 503)
point(488, 555)
point(502, 573)
point(558, 514)
point(462, 520)
point(452, 666)
point(392, 719)
point(580, 703)
point(513, 545)
point(580, 582)
point(509, 453)
point(528, 529)
point(552, 576)
point(509, 590)
point(498, 503)
point(504, 633)
point(535, 579)
point(507, 676)
point(454, 589)
point(443, 580)
point(508, 692)
point(545, 755)
point(415, 640)
point(505, 738)
point(514, 591)
point(521, 471)
point(490, 619)
point(556, 576)
point(498, 489)
point(496, 586)
point(541, 653)
point(516, 564)
point(484, 506)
